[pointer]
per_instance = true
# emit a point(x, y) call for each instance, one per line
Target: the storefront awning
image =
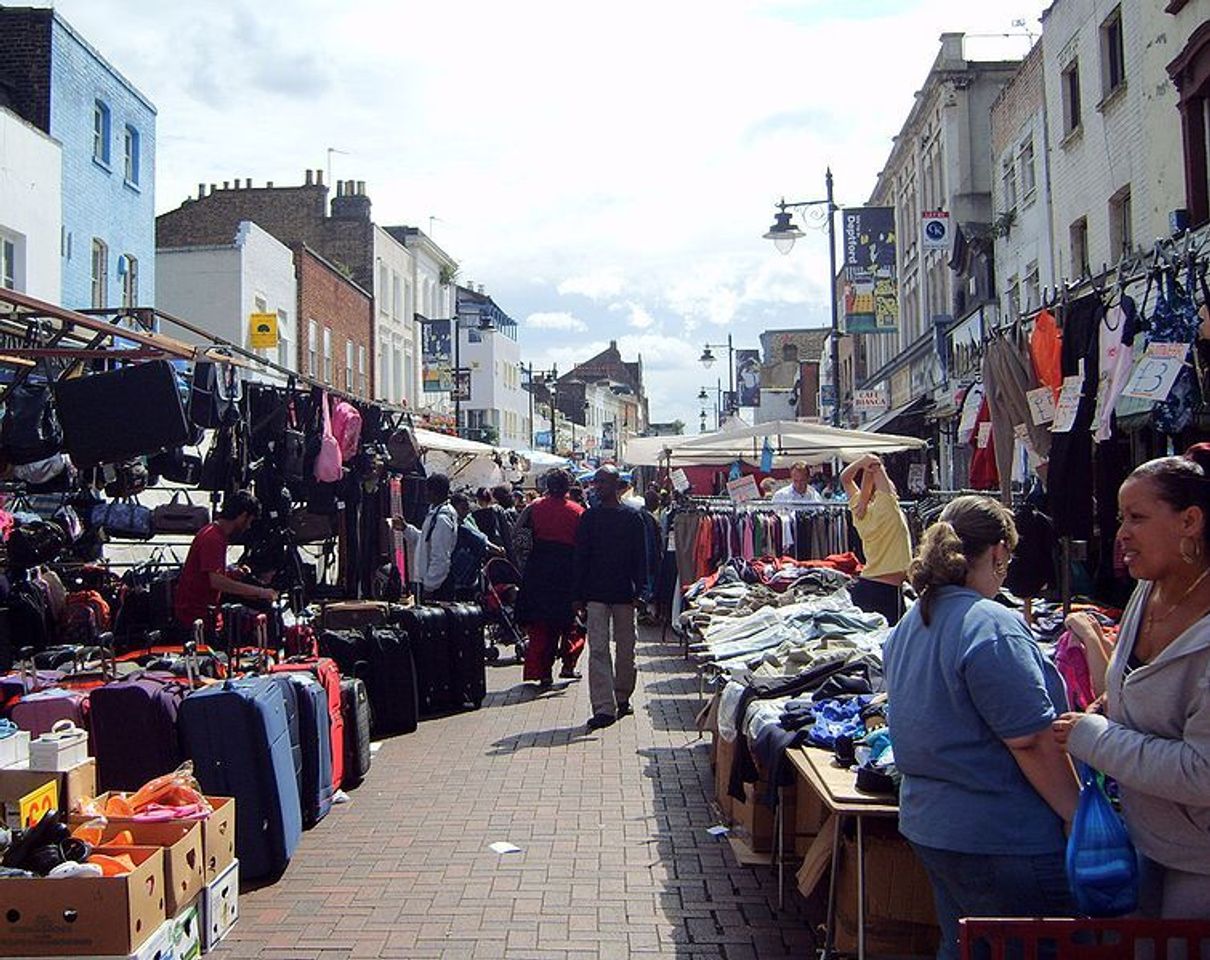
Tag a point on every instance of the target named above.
point(879, 423)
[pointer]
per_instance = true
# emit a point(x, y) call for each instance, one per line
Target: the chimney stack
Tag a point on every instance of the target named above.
point(269, 184)
point(361, 188)
point(309, 180)
point(350, 203)
point(319, 178)
point(248, 183)
point(226, 184)
point(212, 188)
point(201, 191)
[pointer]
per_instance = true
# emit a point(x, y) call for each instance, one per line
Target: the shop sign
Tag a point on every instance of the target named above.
point(680, 481)
point(1156, 371)
point(608, 433)
point(747, 377)
point(462, 385)
point(262, 331)
point(1068, 405)
point(935, 230)
point(435, 355)
point(870, 401)
point(542, 438)
point(743, 489)
point(871, 285)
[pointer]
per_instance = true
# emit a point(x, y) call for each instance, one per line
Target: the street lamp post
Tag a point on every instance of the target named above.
point(783, 233)
point(707, 361)
point(703, 396)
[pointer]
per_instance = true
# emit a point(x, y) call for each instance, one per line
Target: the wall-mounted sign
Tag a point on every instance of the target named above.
point(935, 230)
point(262, 331)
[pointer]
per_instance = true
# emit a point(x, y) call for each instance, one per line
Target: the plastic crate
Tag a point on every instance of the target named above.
point(1121, 939)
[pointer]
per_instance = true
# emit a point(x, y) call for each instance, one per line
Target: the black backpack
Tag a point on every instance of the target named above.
point(29, 618)
point(31, 430)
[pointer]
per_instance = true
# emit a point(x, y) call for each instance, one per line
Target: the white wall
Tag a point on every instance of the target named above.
point(1029, 240)
point(31, 205)
point(394, 325)
point(267, 277)
point(432, 300)
point(497, 385)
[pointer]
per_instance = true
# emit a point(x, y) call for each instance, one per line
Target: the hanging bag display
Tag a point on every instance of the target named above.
point(328, 463)
point(177, 517)
point(346, 426)
point(292, 451)
point(403, 451)
point(36, 542)
point(31, 431)
point(123, 520)
point(1102, 867)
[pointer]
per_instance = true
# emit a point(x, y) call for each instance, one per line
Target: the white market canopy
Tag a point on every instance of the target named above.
point(431, 440)
point(791, 440)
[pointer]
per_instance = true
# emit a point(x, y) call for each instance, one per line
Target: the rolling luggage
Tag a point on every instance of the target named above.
point(355, 702)
point(356, 614)
point(95, 413)
point(134, 729)
point(314, 730)
point(428, 635)
point(350, 649)
point(391, 684)
point(38, 712)
point(238, 736)
point(327, 673)
point(468, 653)
point(290, 702)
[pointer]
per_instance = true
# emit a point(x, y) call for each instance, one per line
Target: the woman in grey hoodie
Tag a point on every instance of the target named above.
point(1153, 735)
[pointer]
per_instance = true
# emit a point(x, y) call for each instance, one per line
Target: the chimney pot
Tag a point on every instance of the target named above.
point(226, 184)
point(309, 180)
point(361, 188)
point(248, 183)
point(269, 184)
point(319, 178)
point(201, 190)
point(212, 188)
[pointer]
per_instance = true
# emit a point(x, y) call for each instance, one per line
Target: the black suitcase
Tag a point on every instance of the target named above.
point(392, 683)
point(95, 411)
point(427, 629)
point(350, 649)
point(355, 702)
point(468, 653)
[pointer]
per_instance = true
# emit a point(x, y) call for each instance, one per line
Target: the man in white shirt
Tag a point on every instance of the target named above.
point(434, 541)
point(799, 489)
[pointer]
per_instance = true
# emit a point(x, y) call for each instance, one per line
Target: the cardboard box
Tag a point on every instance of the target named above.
point(184, 861)
point(754, 822)
point(817, 860)
point(74, 785)
point(93, 916)
point(899, 914)
point(187, 932)
point(220, 907)
point(157, 947)
point(810, 814)
point(218, 833)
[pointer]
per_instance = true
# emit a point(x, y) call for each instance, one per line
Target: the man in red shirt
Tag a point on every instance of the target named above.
point(204, 579)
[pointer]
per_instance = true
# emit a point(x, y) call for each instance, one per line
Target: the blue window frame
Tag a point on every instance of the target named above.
point(100, 132)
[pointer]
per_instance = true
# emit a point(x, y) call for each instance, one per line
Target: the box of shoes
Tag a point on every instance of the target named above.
point(74, 785)
point(63, 748)
point(14, 749)
point(184, 862)
point(157, 947)
point(85, 916)
point(220, 907)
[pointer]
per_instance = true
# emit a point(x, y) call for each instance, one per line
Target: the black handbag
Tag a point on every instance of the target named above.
point(122, 520)
point(36, 542)
point(177, 466)
point(291, 450)
point(214, 395)
point(31, 430)
point(130, 479)
point(310, 527)
point(403, 450)
point(177, 517)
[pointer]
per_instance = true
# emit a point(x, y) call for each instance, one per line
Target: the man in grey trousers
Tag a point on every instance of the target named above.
point(610, 573)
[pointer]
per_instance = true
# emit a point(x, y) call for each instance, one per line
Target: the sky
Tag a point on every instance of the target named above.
point(605, 170)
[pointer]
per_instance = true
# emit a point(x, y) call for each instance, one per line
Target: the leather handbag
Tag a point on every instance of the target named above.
point(31, 429)
point(123, 520)
point(403, 450)
point(308, 527)
point(292, 449)
point(177, 466)
point(36, 542)
point(177, 517)
point(130, 479)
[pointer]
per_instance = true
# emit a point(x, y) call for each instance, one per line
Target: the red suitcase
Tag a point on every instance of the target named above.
point(324, 670)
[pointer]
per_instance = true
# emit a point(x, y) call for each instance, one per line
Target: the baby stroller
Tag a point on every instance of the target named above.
point(499, 585)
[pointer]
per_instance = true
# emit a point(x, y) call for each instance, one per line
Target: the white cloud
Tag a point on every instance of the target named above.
point(640, 319)
point(557, 320)
point(597, 285)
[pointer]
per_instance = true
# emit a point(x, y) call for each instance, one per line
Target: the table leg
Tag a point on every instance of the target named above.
point(860, 890)
point(829, 942)
point(778, 825)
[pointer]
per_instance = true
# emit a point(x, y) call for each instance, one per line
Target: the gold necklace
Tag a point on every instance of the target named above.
point(1153, 619)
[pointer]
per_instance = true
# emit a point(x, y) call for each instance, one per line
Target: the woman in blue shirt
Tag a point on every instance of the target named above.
point(986, 793)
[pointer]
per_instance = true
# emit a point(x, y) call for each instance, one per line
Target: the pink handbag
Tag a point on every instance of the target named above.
point(346, 425)
point(328, 462)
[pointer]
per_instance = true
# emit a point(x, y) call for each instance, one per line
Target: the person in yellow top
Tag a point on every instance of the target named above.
point(885, 539)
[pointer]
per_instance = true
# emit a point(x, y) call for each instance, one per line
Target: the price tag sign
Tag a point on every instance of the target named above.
point(35, 805)
point(1153, 376)
point(985, 434)
point(916, 477)
point(1041, 405)
point(1021, 432)
point(743, 489)
point(1068, 405)
point(1168, 351)
point(680, 482)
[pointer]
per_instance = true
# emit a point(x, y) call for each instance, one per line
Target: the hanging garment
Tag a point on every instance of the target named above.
point(1176, 321)
point(1116, 343)
point(1006, 378)
point(1046, 351)
point(984, 473)
point(1071, 452)
point(972, 400)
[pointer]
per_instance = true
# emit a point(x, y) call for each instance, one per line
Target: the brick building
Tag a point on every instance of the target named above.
point(56, 80)
point(335, 316)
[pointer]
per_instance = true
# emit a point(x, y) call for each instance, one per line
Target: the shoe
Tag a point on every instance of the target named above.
point(570, 675)
point(600, 720)
point(624, 709)
point(545, 683)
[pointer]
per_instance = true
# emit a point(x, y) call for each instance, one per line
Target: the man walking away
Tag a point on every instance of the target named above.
point(610, 574)
point(471, 549)
point(434, 541)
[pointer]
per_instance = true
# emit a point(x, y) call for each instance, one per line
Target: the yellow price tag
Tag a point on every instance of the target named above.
point(35, 805)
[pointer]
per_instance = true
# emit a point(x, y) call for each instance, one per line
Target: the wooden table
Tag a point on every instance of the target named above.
point(837, 788)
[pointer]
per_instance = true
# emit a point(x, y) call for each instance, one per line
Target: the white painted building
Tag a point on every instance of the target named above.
point(219, 287)
point(394, 320)
point(498, 410)
point(31, 209)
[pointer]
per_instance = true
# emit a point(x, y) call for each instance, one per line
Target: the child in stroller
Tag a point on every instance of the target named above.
point(498, 595)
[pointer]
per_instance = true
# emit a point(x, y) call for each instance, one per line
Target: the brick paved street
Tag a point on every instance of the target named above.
point(616, 860)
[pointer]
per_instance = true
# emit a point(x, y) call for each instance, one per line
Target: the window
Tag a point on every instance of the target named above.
point(396, 296)
point(100, 274)
point(349, 366)
point(363, 388)
point(789, 351)
point(1071, 97)
point(1012, 299)
point(130, 153)
point(100, 132)
point(283, 342)
point(328, 355)
point(8, 264)
point(1008, 183)
point(383, 288)
point(1121, 234)
point(1033, 292)
point(128, 268)
point(312, 348)
point(1029, 177)
point(1113, 58)
point(1078, 233)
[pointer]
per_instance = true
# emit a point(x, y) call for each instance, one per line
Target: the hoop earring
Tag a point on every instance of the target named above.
point(1192, 553)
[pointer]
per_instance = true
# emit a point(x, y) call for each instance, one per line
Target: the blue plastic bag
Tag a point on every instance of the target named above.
point(1102, 867)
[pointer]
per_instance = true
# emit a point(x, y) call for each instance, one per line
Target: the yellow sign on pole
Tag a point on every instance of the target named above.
point(36, 804)
point(262, 329)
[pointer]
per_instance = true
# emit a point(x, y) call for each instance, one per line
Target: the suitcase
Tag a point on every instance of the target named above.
point(238, 736)
point(355, 703)
point(355, 614)
point(428, 635)
point(468, 651)
point(95, 413)
point(314, 730)
point(327, 673)
point(391, 684)
point(290, 701)
point(350, 649)
point(38, 712)
point(134, 729)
